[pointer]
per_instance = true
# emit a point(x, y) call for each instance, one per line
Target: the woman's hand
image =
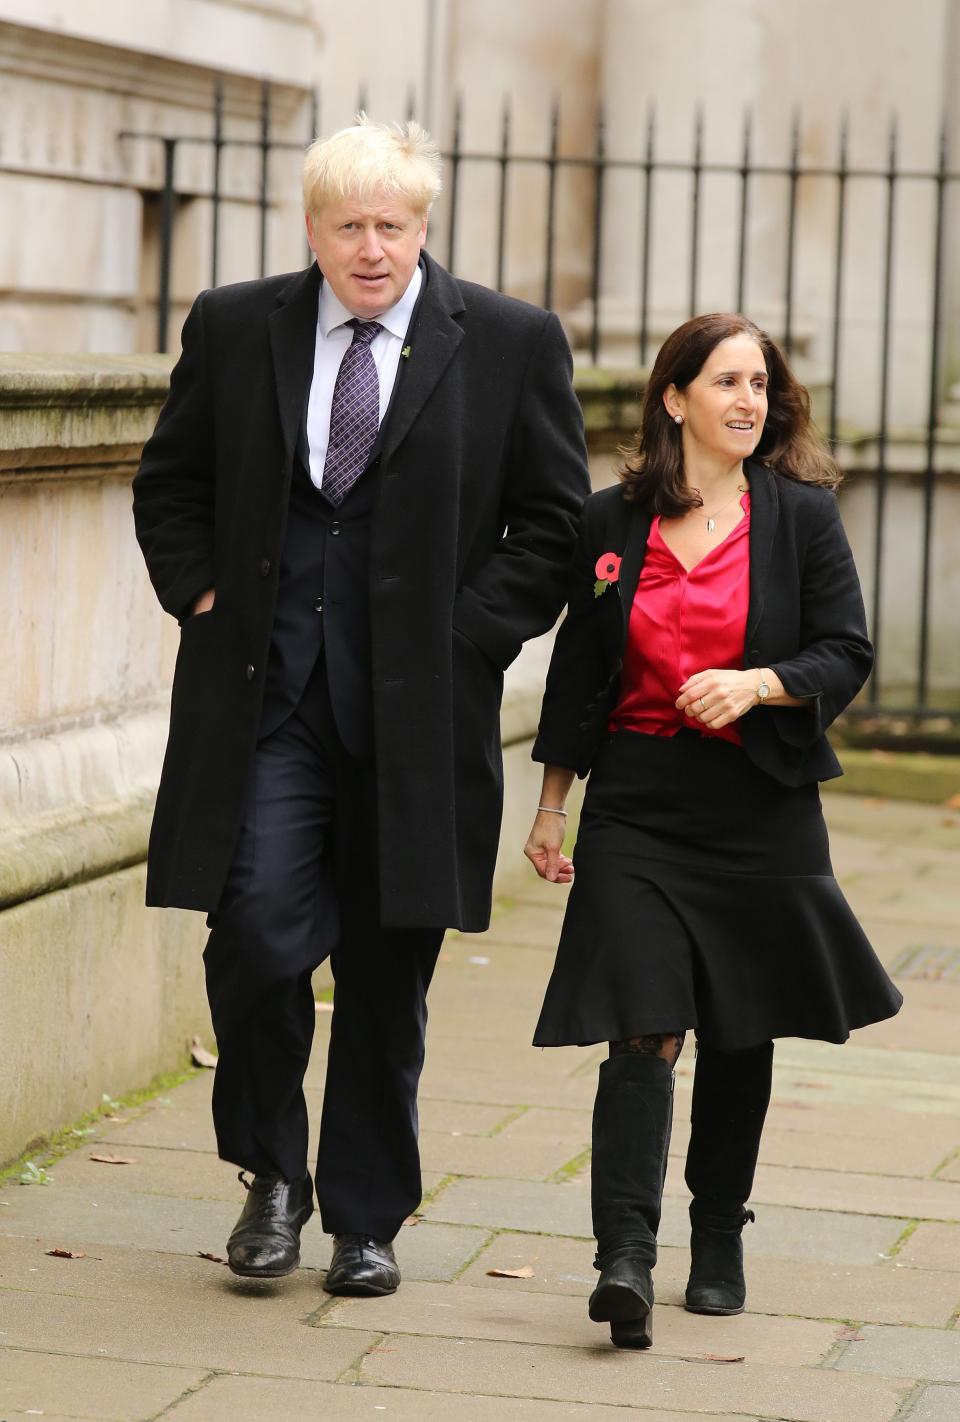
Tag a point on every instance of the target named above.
point(715, 698)
point(544, 848)
point(204, 602)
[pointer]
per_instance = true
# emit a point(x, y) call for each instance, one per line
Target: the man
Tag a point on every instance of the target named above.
point(359, 501)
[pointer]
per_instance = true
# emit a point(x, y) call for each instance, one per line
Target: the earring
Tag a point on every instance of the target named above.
point(678, 419)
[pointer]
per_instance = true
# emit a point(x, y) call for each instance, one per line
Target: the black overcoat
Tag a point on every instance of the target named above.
point(805, 620)
point(480, 469)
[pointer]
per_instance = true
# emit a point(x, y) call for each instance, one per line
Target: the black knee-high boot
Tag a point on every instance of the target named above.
point(631, 1131)
point(731, 1092)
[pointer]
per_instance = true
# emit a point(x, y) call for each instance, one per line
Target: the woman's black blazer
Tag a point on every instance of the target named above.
point(805, 621)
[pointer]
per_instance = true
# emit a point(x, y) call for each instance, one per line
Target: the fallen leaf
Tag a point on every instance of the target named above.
point(323, 1007)
point(199, 1054)
point(412, 1220)
point(714, 1358)
point(114, 1159)
point(117, 1120)
point(214, 1258)
point(949, 824)
point(953, 803)
point(850, 1333)
point(526, 1272)
point(65, 1253)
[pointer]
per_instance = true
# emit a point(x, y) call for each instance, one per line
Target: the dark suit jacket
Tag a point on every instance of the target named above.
point(480, 474)
point(805, 621)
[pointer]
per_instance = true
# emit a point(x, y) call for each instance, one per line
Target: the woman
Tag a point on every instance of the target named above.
point(715, 628)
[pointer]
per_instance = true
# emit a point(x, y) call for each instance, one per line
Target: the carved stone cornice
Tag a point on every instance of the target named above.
point(64, 60)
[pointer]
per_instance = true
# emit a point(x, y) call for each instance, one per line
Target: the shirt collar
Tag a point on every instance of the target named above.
point(332, 312)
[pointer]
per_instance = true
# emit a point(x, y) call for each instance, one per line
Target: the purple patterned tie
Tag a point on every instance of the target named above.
point(354, 414)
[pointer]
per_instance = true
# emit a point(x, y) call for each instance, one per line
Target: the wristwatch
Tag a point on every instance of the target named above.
point(763, 690)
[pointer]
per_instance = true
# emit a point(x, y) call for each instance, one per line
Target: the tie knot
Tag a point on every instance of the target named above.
point(364, 331)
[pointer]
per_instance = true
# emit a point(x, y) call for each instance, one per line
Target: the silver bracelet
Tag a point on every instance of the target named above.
point(549, 810)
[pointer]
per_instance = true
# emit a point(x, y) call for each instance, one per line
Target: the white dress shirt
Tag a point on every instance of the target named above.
point(334, 337)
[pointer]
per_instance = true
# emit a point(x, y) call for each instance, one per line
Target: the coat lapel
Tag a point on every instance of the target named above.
point(433, 340)
point(639, 520)
point(293, 336)
point(764, 514)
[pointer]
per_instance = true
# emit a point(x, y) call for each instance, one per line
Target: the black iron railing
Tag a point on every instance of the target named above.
point(649, 169)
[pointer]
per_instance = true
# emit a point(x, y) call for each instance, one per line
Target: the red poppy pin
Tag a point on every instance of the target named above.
point(607, 571)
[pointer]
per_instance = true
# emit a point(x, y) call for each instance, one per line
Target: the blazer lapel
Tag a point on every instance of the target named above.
point(764, 514)
point(293, 336)
point(434, 337)
point(634, 551)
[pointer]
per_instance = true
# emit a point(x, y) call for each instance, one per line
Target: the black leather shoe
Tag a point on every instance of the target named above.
point(362, 1267)
point(265, 1243)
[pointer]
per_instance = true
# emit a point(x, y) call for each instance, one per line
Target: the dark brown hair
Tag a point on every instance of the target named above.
point(652, 471)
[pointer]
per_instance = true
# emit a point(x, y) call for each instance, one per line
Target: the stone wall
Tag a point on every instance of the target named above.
point(96, 995)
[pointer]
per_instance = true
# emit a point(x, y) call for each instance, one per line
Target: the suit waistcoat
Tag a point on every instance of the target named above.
point(323, 603)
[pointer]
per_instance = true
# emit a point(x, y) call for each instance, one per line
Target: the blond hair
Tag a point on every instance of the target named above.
point(369, 158)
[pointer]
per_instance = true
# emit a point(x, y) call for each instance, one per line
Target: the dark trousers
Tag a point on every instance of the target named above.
point(303, 886)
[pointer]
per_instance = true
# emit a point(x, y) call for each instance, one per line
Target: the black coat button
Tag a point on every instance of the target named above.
point(251, 671)
point(334, 529)
point(264, 567)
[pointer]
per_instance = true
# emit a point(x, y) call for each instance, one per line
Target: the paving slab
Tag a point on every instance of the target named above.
point(100, 1388)
point(932, 1246)
point(876, 1293)
point(550, 1123)
point(853, 1154)
point(645, 1381)
point(463, 1119)
point(68, 1216)
point(933, 1354)
point(500, 1155)
point(131, 1275)
point(459, 1083)
point(925, 1028)
point(224, 1328)
point(153, 1171)
point(872, 1063)
point(951, 1170)
point(936, 1404)
point(512, 1315)
point(856, 1193)
point(565, 1209)
point(524, 1205)
point(65, 1218)
point(809, 1114)
point(251, 1399)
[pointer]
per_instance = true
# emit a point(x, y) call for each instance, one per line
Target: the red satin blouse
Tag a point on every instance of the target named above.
point(681, 623)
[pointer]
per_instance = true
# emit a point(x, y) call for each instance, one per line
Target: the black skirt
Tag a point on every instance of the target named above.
point(704, 898)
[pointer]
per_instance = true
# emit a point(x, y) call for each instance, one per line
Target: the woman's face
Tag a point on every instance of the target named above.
point(724, 407)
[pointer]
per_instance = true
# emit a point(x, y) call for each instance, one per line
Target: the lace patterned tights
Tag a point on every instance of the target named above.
point(668, 1045)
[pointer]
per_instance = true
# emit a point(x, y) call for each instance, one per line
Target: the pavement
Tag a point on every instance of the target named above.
point(853, 1265)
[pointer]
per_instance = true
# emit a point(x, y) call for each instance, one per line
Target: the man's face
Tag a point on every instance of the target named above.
point(367, 251)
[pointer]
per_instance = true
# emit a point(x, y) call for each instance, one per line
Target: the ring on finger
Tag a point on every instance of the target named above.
point(703, 704)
